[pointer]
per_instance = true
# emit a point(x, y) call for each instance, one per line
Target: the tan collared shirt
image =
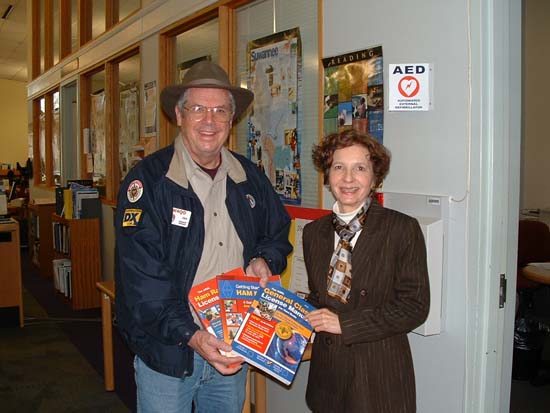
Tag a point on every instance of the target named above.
point(223, 249)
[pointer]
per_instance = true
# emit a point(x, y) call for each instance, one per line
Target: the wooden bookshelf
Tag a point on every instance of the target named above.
point(40, 237)
point(10, 276)
point(83, 248)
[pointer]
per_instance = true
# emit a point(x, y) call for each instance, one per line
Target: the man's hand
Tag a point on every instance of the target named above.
point(324, 320)
point(208, 347)
point(257, 267)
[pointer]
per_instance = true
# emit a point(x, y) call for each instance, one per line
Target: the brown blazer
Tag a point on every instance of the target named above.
point(368, 368)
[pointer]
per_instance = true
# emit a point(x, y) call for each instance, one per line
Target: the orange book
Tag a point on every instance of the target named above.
point(205, 300)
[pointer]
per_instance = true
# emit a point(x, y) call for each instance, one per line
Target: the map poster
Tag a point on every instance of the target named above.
point(354, 92)
point(274, 136)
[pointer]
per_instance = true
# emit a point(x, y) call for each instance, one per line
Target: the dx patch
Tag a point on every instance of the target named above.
point(131, 217)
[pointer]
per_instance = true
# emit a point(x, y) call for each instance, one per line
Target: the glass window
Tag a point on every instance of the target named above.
point(42, 35)
point(42, 141)
point(30, 140)
point(97, 130)
point(196, 44)
point(98, 17)
point(70, 158)
point(127, 7)
point(56, 144)
point(74, 26)
point(56, 40)
point(130, 151)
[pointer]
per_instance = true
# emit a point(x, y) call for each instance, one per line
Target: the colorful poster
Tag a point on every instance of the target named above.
point(354, 92)
point(274, 125)
point(97, 140)
point(150, 94)
point(128, 132)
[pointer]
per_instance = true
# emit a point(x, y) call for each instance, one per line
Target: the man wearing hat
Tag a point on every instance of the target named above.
point(185, 214)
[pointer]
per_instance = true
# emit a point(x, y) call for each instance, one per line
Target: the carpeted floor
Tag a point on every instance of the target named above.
point(42, 371)
point(35, 361)
point(83, 329)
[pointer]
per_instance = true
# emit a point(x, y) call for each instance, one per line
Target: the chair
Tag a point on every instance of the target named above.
point(533, 246)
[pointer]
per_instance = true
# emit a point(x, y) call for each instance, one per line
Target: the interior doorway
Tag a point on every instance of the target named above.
point(534, 395)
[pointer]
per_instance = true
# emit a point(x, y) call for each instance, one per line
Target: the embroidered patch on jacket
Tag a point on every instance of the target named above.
point(131, 217)
point(134, 191)
point(180, 217)
point(251, 200)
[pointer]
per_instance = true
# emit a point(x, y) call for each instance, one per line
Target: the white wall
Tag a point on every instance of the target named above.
point(536, 144)
point(429, 153)
point(429, 156)
point(13, 118)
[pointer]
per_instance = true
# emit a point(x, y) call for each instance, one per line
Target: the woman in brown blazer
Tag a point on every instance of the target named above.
point(361, 359)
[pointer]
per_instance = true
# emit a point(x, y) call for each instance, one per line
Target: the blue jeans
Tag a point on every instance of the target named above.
point(206, 388)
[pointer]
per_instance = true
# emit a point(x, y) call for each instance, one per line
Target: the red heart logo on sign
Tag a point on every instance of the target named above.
point(408, 86)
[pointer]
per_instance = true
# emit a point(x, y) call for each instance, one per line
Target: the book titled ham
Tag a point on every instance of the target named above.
point(237, 291)
point(205, 300)
point(274, 333)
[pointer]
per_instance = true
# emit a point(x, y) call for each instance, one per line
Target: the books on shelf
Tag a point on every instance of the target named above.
point(61, 238)
point(274, 333)
point(67, 203)
point(73, 200)
point(62, 269)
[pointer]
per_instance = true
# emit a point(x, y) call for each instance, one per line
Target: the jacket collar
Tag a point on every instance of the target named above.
point(181, 163)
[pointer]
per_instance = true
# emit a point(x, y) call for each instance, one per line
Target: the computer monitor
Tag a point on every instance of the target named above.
point(3, 205)
point(12, 191)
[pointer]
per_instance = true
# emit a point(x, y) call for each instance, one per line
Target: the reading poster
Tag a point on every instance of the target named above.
point(354, 92)
point(274, 124)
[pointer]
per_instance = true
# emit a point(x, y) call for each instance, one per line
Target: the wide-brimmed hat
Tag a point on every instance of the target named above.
point(204, 74)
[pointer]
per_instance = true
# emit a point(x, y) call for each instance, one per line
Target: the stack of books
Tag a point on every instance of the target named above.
point(62, 276)
point(78, 201)
point(265, 326)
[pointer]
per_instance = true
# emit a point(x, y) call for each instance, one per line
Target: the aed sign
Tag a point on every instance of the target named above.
point(409, 87)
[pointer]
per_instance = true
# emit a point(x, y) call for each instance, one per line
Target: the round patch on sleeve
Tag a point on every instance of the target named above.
point(134, 191)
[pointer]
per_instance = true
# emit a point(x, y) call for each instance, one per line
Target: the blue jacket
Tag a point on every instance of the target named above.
point(156, 261)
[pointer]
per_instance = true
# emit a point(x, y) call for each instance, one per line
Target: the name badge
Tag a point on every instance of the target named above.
point(180, 217)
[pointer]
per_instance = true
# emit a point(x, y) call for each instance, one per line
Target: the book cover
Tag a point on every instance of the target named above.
point(237, 292)
point(274, 334)
point(68, 203)
point(205, 299)
point(79, 196)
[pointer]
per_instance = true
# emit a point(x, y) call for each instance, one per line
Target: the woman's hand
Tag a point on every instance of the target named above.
point(324, 320)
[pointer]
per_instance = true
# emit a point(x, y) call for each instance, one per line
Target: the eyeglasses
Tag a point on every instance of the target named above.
point(198, 113)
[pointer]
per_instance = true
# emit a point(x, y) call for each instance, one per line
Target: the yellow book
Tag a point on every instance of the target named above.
point(68, 203)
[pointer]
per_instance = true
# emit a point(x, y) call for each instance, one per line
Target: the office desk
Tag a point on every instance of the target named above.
point(11, 290)
point(107, 289)
point(537, 273)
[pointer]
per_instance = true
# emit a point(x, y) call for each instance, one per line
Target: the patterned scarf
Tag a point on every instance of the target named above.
point(339, 272)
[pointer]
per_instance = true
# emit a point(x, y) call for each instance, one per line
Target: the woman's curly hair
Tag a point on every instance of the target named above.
point(379, 155)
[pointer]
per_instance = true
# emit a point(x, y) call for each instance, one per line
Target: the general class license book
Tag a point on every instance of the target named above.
point(237, 291)
point(274, 332)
